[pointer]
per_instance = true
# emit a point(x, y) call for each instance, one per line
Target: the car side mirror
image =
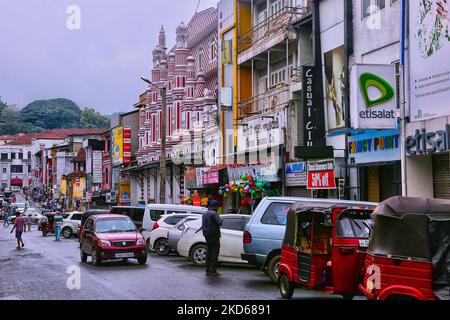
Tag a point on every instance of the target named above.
point(140, 229)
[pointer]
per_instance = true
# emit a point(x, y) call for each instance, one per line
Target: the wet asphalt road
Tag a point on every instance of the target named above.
point(40, 271)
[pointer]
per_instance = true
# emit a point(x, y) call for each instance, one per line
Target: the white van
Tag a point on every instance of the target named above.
point(154, 211)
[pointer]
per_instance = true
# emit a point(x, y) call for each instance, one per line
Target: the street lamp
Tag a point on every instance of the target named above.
point(163, 171)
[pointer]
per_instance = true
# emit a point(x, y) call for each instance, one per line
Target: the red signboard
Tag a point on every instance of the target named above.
point(321, 175)
point(126, 145)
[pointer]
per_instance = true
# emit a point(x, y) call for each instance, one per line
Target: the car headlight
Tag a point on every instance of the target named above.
point(104, 243)
point(140, 242)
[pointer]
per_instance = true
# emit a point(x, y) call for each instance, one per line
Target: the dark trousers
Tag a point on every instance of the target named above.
point(212, 254)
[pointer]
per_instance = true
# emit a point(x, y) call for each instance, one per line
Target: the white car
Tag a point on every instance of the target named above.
point(20, 206)
point(192, 243)
point(158, 239)
point(71, 224)
point(15, 189)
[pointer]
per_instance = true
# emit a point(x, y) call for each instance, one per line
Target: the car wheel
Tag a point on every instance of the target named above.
point(147, 243)
point(67, 232)
point(95, 258)
point(272, 268)
point(83, 256)
point(161, 247)
point(142, 260)
point(198, 255)
point(286, 287)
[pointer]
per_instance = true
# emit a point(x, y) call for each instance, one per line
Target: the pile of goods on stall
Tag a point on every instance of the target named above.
point(249, 189)
point(195, 199)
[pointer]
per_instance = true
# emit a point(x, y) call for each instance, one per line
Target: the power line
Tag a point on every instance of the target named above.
point(198, 5)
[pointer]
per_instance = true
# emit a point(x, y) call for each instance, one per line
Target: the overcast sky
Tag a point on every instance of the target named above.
point(97, 66)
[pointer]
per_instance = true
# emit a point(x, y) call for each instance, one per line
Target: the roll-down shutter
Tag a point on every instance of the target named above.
point(441, 176)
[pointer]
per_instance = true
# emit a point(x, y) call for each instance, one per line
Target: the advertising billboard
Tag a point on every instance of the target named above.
point(117, 149)
point(429, 67)
point(374, 146)
point(321, 175)
point(97, 166)
point(295, 174)
point(335, 88)
point(373, 97)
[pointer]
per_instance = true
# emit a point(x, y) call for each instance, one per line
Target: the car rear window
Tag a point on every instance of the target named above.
point(173, 220)
point(156, 214)
point(233, 224)
point(276, 214)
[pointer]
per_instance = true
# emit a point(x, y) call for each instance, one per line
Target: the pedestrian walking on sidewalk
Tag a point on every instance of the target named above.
point(211, 223)
point(57, 223)
point(19, 226)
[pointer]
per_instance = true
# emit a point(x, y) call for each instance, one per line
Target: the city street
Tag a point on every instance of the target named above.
point(40, 272)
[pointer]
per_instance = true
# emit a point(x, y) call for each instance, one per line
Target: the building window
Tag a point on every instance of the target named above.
point(4, 156)
point(370, 7)
point(178, 116)
point(16, 169)
point(13, 155)
point(214, 48)
point(153, 127)
point(20, 156)
point(4, 170)
point(29, 169)
point(200, 59)
point(29, 155)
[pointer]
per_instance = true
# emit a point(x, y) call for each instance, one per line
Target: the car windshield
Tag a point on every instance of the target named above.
point(354, 228)
point(114, 225)
point(19, 205)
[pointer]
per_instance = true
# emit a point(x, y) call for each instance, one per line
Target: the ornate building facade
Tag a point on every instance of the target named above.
point(189, 72)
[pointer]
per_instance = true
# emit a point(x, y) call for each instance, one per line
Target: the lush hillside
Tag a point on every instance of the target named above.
point(42, 115)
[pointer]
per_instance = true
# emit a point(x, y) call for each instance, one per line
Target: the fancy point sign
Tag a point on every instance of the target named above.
point(320, 175)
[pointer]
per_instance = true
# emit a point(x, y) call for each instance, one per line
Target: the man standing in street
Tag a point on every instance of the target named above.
point(5, 217)
point(211, 223)
point(19, 226)
point(57, 223)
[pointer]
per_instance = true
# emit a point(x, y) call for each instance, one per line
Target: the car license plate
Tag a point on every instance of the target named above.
point(364, 243)
point(124, 255)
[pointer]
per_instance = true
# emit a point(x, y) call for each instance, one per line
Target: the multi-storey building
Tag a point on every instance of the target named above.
point(189, 73)
point(265, 44)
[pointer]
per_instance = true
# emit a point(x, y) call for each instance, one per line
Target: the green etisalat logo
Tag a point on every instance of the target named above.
point(368, 80)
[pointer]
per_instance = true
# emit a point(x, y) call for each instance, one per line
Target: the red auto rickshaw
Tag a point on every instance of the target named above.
point(409, 251)
point(48, 227)
point(324, 248)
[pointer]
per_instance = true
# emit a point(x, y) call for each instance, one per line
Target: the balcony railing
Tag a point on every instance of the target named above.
point(265, 102)
point(272, 26)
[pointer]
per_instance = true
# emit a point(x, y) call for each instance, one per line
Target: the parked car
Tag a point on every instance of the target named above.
point(192, 243)
point(111, 237)
point(154, 211)
point(135, 213)
point(15, 189)
point(263, 235)
point(159, 236)
point(71, 224)
point(20, 206)
point(35, 216)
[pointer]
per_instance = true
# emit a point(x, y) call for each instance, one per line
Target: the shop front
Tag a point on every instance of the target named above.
point(427, 160)
point(375, 166)
point(212, 179)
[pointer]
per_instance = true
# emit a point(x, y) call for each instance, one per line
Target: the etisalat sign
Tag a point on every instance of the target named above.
point(373, 97)
point(423, 142)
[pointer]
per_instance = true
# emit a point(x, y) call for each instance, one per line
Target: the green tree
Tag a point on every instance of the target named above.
point(93, 119)
point(11, 124)
point(52, 114)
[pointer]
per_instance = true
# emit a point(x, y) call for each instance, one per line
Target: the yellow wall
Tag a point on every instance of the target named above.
point(245, 18)
point(78, 189)
point(63, 187)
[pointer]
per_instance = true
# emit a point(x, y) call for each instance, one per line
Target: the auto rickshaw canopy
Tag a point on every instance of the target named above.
point(415, 229)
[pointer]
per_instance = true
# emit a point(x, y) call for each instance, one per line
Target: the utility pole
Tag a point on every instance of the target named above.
point(162, 165)
point(162, 158)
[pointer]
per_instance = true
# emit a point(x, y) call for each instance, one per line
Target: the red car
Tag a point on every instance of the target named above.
point(112, 237)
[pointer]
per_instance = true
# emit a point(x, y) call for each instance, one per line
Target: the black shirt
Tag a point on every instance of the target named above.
point(211, 223)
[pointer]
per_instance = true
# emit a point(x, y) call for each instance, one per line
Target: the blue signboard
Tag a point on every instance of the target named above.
point(374, 146)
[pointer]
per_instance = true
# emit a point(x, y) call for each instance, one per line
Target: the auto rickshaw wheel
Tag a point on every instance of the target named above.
point(286, 287)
